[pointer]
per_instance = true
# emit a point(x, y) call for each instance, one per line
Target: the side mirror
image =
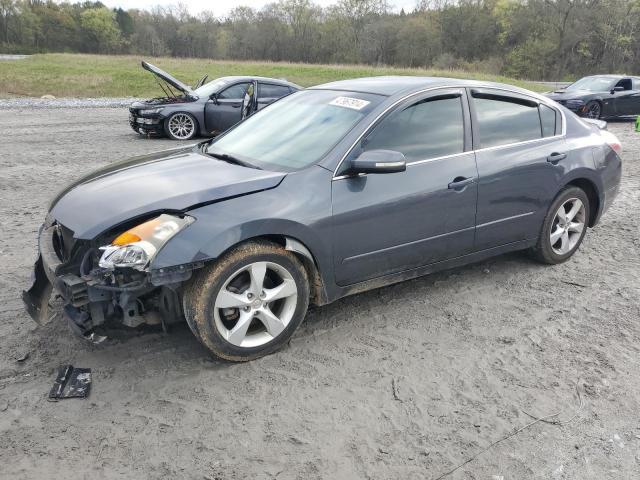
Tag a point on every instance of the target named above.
point(378, 161)
point(214, 98)
point(617, 89)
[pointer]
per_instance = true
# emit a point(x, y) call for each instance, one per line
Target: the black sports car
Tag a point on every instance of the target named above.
point(206, 109)
point(600, 96)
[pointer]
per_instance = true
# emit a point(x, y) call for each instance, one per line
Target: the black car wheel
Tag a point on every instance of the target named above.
point(249, 302)
point(564, 226)
point(181, 126)
point(593, 109)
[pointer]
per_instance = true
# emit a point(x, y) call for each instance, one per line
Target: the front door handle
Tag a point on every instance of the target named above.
point(555, 157)
point(460, 182)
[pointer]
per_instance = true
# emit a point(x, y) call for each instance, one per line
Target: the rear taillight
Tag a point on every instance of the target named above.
point(612, 141)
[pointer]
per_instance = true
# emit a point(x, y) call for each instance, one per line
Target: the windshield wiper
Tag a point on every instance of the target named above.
point(231, 159)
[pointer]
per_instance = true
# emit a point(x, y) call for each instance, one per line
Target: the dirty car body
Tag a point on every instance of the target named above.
point(352, 192)
point(214, 106)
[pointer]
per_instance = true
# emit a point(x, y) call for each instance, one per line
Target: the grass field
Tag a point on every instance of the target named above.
point(72, 75)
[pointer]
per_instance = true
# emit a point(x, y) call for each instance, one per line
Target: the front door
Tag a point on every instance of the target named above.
point(628, 100)
point(520, 152)
point(388, 223)
point(225, 109)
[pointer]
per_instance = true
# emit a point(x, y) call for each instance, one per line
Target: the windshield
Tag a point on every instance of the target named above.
point(297, 131)
point(593, 84)
point(208, 88)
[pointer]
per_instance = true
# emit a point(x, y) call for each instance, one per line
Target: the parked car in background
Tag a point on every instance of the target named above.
point(601, 96)
point(207, 109)
point(331, 191)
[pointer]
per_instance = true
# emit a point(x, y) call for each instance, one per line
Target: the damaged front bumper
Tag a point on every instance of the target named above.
point(92, 296)
point(147, 124)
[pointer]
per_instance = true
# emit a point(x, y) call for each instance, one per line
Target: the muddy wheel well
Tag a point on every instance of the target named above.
point(316, 288)
point(594, 201)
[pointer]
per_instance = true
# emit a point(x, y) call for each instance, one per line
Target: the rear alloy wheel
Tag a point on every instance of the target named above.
point(249, 302)
point(593, 109)
point(180, 126)
point(564, 227)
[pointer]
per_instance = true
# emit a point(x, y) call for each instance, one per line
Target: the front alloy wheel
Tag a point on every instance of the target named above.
point(249, 302)
point(255, 304)
point(181, 126)
point(593, 110)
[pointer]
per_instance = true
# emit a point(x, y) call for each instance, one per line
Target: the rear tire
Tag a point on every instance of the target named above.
point(564, 226)
point(249, 302)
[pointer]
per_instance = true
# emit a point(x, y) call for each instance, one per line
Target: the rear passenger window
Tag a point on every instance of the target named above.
point(427, 129)
point(266, 90)
point(548, 118)
point(502, 121)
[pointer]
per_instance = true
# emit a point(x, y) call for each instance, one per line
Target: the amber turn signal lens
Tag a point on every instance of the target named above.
point(126, 238)
point(136, 234)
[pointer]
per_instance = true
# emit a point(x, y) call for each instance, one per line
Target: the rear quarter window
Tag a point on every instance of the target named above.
point(550, 120)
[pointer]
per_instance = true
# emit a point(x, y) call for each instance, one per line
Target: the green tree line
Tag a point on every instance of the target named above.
point(532, 39)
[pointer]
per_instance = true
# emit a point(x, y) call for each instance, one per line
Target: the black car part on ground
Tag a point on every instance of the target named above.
point(71, 382)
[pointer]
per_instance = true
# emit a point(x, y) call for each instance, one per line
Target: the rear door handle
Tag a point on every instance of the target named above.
point(555, 157)
point(460, 182)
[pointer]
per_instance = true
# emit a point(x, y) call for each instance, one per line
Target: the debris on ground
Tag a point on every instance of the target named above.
point(22, 357)
point(71, 383)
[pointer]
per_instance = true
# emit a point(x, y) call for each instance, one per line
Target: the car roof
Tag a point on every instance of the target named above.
point(614, 76)
point(392, 85)
point(237, 78)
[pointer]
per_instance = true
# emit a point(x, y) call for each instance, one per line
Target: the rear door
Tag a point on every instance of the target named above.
point(269, 93)
point(388, 223)
point(519, 151)
point(225, 109)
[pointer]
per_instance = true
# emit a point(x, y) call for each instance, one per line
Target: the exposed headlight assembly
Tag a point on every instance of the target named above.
point(136, 247)
point(575, 102)
point(151, 111)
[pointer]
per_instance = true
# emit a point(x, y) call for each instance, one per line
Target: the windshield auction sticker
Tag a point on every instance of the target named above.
point(348, 102)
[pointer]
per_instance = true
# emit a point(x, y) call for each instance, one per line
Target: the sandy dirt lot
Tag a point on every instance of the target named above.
point(405, 382)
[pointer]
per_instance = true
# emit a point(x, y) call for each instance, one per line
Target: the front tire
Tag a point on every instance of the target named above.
point(249, 302)
point(564, 227)
point(181, 126)
point(593, 110)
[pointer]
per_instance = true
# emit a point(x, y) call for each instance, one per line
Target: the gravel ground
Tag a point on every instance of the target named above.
point(405, 382)
point(22, 103)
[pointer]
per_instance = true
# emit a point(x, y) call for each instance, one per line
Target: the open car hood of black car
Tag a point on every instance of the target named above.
point(163, 182)
point(172, 81)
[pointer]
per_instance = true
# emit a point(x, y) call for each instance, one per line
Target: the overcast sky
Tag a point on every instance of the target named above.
point(222, 7)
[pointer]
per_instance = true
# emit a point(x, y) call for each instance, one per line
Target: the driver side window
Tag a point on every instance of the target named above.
point(625, 83)
point(234, 92)
point(427, 129)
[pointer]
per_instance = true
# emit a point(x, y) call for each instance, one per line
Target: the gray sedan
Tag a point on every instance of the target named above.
point(328, 192)
point(208, 109)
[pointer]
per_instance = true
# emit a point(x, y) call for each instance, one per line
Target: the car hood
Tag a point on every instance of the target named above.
point(570, 94)
point(174, 180)
point(174, 82)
